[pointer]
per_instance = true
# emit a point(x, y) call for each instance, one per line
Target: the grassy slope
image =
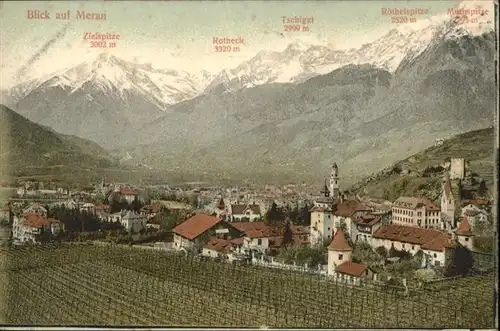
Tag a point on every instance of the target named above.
point(31, 149)
point(476, 147)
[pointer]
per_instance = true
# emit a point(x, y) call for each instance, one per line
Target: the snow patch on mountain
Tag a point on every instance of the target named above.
point(110, 74)
point(294, 64)
point(300, 61)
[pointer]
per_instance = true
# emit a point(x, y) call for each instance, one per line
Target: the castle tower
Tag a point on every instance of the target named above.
point(457, 168)
point(464, 234)
point(447, 199)
point(339, 251)
point(334, 182)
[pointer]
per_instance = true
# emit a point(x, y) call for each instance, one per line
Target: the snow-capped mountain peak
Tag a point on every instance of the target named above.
point(297, 47)
point(111, 74)
point(295, 63)
point(300, 61)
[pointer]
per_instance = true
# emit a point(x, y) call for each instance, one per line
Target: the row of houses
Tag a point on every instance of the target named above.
point(215, 237)
point(238, 212)
point(33, 221)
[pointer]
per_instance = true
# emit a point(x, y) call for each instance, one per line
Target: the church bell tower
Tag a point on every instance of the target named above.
point(334, 182)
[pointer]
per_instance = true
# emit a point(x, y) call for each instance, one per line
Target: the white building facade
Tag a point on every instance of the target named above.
point(418, 212)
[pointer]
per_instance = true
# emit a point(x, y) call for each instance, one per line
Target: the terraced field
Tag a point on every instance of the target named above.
point(112, 285)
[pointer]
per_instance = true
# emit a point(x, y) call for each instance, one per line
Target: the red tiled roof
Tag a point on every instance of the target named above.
point(265, 233)
point(349, 207)
point(101, 207)
point(438, 244)
point(196, 225)
point(464, 227)
point(413, 235)
point(247, 226)
point(127, 191)
point(261, 230)
point(339, 243)
point(370, 220)
point(352, 269)
point(237, 241)
point(218, 245)
point(412, 203)
point(36, 221)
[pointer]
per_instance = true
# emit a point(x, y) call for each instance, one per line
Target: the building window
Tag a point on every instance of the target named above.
point(341, 257)
point(466, 239)
point(435, 255)
point(403, 245)
point(259, 242)
point(412, 247)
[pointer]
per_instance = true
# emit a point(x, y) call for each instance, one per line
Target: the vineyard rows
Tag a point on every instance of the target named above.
point(96, 285)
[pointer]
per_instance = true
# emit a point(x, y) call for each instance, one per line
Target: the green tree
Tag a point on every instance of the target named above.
point(305, 216)
point(136, 205)
point(193, 200)
point(169, 219)
point(273, 215)
point(461, 263)
point(294, 212)
point(403, 255)
point(287, 235)
point(117, 205)
point(482, 190)
point(343, 227)
point(382, 251)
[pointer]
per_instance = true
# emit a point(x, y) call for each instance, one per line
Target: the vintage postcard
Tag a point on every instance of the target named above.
point(249, 164)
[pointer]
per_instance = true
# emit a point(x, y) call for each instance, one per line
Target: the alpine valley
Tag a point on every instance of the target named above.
point(289, 112)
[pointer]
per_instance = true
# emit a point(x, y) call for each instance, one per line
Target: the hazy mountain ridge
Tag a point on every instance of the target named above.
point(358, 115)
point(29, 145)
point(439, 82)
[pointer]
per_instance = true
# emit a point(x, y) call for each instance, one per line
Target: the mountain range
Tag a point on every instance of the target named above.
point(28, 148)
point(291, 112)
